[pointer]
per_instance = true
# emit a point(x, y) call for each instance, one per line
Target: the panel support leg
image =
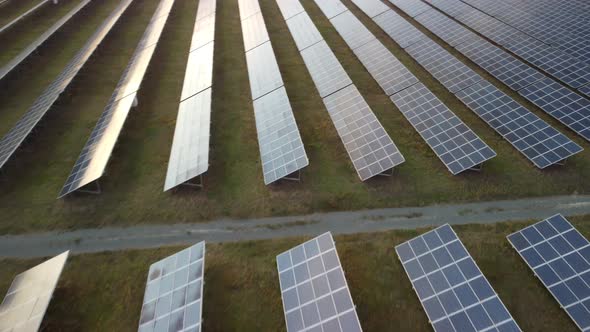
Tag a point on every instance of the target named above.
point(295, 176)
point(476, 168)
point(135, 102)
point(388, 173)
point(196, 182)
point(91, 188)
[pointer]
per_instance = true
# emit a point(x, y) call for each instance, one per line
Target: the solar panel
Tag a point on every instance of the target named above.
point(23, 15)
point(189, 156)
point(24, 54)
point(400, 30)
point(331, 8)
point(254, 31)
point(561, 103)
point(17, 134)
point(453, 291)
point(412, 8)
point(290, 8)
point(559, 256)
point(371, 8)
point(445, 28)
point(457, 146)
point(354, 33)
point(97, 151)
point(248, 8)
point(263, 70)
point(326, 72)
point(303, 30)
point(533, 137)
point(370, 148)
point(509, 70)
point(173, 298)
point(314, 290)
point(585, 90)
point(453, 8)
point(391, 75)
point(281, 149)
point(29, 295)
point(447, 69)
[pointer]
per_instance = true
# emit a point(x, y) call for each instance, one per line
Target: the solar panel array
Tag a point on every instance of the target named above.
point(568, 107)
point(314, 290)
point(281, 150)
point(173, 299)
point(95, 155)
point(454, 293)
point(189, 156)
point(17, 134)
point(457, 146)
point(23, 15)
point(530, 135)
point(39, 41)
point(560, 257)
point(29, 295)
point(369, 147)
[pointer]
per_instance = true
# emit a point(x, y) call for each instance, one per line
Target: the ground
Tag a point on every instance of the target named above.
point(132, 186)
point(103, 292)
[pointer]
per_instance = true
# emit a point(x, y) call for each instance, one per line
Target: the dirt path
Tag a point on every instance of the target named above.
point(110, 239)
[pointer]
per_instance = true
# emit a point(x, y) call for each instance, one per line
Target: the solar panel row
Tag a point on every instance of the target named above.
point(173, 298)
point(452, 141)
point(450, 286)
point(93, 159)
point(23, 15)
point(28, 297)
point(42, 39)
point(530, 135)
point(17, 134)
point(314, 290)
point(368, 145)
point(189, 155)
point(281, 150)
point(553, 98)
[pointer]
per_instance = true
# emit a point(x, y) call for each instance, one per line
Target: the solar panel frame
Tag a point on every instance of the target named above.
point(561, 103)
point(314, 290)
point(303, 30)
point(455, 144)
point(396, 27)
point(530, 135)
point(325, 69)
point(29, 295)
point(25, 125)
point(447, 69)
point(174, 287)
point(558, 262)
point(391, 75)
point(281, 148)
point(451, 288)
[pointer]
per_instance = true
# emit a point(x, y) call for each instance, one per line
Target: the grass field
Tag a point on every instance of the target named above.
point(103, 292)
point(234, 185)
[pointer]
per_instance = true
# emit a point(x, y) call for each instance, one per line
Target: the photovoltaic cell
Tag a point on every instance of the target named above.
point(585, 90)
point(354, 33)
point(371, 8)
point(533, 137)
point(370, 148)
point(29, 295)
point(204, 30)
point(561, 103)
point(199, 71)
point(326, 72)
point(445, 28)
point(331, 8)
point(457, 146)
point(391, 75)
point(412, 8)
point(248, 8)
point(263, 70)
point(447, 69)
point(400, 30)
point(509, 70)
point(254, 31)
point(452, 8)
point(303, 30)
point(173, 298)
point(560, 257)
point(314, 290)
point(281, 148)
point(95, 155)
point(17, 134)
point(453, 291)
point(290, 8)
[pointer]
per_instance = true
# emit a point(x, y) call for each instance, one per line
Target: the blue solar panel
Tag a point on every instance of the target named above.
point(585, 90)
point(560, 257)
point(451, 288)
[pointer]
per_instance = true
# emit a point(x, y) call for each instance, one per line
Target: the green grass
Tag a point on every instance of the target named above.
point(103, 292)
point(132, 186)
